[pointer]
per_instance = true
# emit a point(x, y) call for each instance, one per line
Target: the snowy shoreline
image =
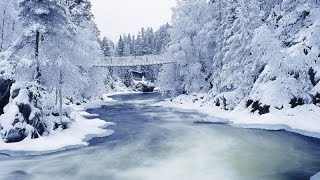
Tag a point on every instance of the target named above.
point(315, 177)
point(303, 120)
point(82, 130)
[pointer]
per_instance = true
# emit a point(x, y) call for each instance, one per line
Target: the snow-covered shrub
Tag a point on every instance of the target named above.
point(28, 111)
point(22, 116)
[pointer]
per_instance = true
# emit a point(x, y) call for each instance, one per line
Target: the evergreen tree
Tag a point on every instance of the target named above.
point(161, 39)
point(8, 23)
point(240, 50)
point(133, 46)
point(120, 47)
point(147, 42)
point(106, 47)
point(42, 18)
point(48, 55)
point(139, 45)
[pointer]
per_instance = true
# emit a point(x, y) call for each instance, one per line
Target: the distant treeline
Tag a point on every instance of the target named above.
point(146, 42)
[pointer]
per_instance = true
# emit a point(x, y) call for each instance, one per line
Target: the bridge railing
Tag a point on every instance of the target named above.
point(145, 59)
point(134, 61)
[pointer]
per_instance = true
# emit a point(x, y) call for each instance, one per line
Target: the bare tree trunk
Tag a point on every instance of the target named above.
point(37, 75)
point(2, 29)
point(13, 25)
point(220, 13)
point(57, 95)
point(60, 104)
point(60, 96)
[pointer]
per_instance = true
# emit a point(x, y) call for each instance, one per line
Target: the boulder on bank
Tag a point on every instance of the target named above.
point(16, 135)
point(5, 86)
point(143, 86)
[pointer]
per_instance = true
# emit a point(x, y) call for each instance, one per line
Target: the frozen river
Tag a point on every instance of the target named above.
point(157, 143)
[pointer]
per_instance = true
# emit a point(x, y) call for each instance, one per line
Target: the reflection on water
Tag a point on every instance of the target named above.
point(156, 143)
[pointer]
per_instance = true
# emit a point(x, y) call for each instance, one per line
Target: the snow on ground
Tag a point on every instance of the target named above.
point(81, 131)
point(316, 177)
point(304, 119)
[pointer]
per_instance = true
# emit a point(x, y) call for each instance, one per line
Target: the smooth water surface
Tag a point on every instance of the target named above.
point(157, 143)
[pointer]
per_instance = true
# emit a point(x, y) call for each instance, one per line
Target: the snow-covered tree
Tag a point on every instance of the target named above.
point(106, 46)
point(146, 42)
point(47, 60)
point(41, 20)
point(245, 54)
point(8, 23)
point(120, 47)
point(161, 39)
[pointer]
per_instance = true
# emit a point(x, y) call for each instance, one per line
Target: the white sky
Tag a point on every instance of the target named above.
point(115, 17)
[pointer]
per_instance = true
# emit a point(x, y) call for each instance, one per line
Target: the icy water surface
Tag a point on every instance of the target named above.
point(156, 143)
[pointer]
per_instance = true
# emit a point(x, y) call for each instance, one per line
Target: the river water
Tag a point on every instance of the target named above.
point(157, 143)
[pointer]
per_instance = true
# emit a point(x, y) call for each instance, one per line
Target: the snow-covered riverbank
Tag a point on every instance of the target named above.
point(304, 119)
point(315, 177)
point(152, 141)
point(81, 131)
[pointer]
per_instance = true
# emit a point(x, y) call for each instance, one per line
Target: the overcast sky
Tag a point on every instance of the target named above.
point(115, 17)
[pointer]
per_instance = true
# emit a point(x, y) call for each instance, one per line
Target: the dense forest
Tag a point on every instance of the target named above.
point(259, 55)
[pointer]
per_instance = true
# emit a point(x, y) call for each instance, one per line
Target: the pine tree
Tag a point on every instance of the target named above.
point(49, 48)
point(133, 46)
point(41, 21)
point(139, 45)
point(8, 19)
point(129, 45)
point(42, 17)
point(80, 9)
point(2, 25)
point(149, 41)
point(144, 42)
point(120, 47)
point(161, 39)
point(106, 47)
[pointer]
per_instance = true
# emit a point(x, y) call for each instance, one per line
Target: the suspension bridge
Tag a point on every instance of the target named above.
point(134, 61)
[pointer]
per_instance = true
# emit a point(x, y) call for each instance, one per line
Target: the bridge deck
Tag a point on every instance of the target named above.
point(134, 61)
